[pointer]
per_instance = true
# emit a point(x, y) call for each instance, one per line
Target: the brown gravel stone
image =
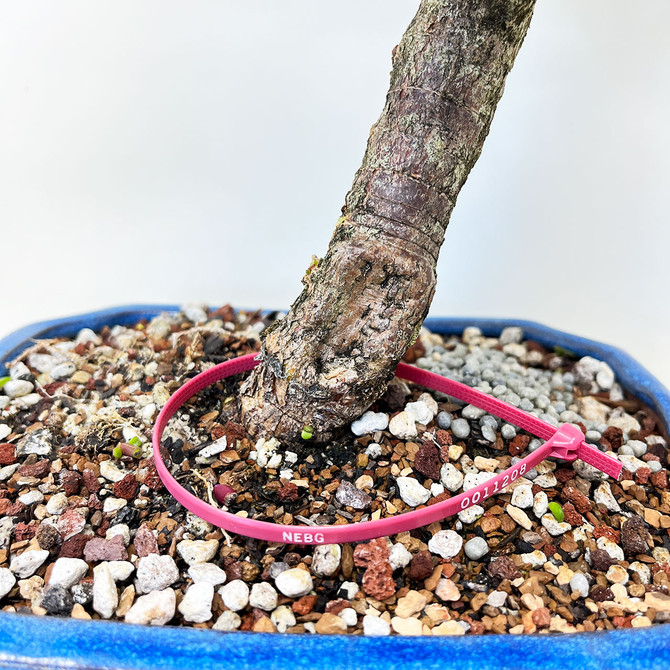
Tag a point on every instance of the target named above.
point(421, 566)
point(634, 537)
point(7, 455)
point(145, 542)
point(71, 482)
point(330, 624)
point(427, 461)
point(578, 499)
point(347, 562)
point(304, 605)
point(126, 488)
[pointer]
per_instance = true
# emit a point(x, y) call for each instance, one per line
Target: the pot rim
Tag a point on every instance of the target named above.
point(31, 642)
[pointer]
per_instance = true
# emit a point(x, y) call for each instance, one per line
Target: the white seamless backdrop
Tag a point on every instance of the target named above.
point(161, 151)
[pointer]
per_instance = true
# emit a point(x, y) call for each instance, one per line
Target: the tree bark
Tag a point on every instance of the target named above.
point(336, 350)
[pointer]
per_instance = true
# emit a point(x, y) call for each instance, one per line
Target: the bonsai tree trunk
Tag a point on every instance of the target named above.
point(335, 352)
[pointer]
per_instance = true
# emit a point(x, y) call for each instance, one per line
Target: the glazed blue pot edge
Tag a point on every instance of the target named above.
point(33, 642)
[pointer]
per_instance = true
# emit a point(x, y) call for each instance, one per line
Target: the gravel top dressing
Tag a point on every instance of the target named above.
point(87, 529)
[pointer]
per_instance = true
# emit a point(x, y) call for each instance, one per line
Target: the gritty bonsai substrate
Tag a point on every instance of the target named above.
point(521, 584)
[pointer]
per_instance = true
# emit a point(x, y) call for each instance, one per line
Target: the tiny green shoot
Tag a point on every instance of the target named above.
point(4, 380)
point(307, 433)
point(556, 510)
point(117, 452)
point(135, 441)
point(137, 453)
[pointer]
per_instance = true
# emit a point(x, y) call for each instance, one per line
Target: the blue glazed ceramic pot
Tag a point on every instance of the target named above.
point(34, 642)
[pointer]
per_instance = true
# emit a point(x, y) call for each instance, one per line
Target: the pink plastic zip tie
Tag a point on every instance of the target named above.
point(567, 443)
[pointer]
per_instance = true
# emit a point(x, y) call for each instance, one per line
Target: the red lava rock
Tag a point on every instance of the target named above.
point(70, 523)
point(149, 474)
point(549, 549)
point(394, 397)
point(74, 547)
point(47, 536)
point(541, 617)
point(634, 536)
point(372, 552)
point(476, 627)
point(304, 605)
point(71, 482)
point(289, 492)
point(336, 606)
point(660, 479)
point(234, 432)
point(614, 437)
point(564, 475)
point(577, 498)
point(90, 481)
point(601, 593)
point(94, 502)
point(99, 549)
point(378, 581)
point(504, 567)
point(5, 504)
point(609, 533)
point(444, 438)
point(650, 457)
point(233, 569)
point(126, 488)
point(145, 541)
point(15, 509)
point(427, 461)
point(571, 515)
point(601, 560)
point(518, 445)
point(7, 454)
point(622, 621)
point(24, 531)
point(445, 495)
point(37, 470)
point(421, 566)
point(378, 578)
point(642, 475)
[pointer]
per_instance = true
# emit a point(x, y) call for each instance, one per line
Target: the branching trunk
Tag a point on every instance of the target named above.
point(336, 350)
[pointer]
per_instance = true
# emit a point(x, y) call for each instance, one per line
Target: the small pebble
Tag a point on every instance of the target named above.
point(445, 543)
